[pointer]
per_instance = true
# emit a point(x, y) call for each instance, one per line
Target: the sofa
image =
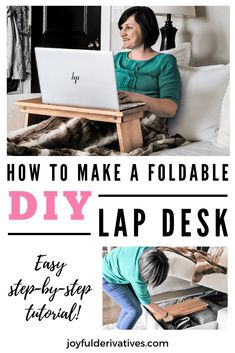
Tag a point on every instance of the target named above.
point(183, 268)
point(178, 287)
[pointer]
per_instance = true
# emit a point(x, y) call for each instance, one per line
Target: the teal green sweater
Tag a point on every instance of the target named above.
point(120, 266)
point(157, 77)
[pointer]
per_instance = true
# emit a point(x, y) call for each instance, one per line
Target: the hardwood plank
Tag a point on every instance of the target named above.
point(26, 119)
point(69, 114)
point(129, 135)
point(186, 307)
point(127, 122)
point(37, 103)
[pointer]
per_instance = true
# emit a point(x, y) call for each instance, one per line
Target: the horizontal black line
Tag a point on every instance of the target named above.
point(75, 234)
point(163, 195)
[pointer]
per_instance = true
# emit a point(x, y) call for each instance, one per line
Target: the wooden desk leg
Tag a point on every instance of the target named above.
point(26, 119)
point(129, 135)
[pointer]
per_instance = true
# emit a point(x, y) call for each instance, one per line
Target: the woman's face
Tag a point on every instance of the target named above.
point(131, 34)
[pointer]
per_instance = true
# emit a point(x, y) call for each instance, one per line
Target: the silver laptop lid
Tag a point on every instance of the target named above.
point(84, 78)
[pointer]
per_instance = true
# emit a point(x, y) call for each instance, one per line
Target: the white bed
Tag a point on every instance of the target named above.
point(200, 148)
point(203, 116)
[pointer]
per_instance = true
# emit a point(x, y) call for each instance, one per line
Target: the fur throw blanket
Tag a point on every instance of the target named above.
point(205, 263)
point(81, 137)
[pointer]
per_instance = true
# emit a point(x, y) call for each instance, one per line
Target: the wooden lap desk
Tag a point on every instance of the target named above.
point(186, 307)
point(127, 122)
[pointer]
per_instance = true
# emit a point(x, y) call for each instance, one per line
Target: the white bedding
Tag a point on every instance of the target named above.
point(200, 148)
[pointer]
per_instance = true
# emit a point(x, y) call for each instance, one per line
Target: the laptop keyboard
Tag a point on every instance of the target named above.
point(125, 106)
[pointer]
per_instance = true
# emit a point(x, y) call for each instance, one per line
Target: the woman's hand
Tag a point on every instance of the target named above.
point(166, 317)
point(164, 108)
point(128, 97)
point(159, 313)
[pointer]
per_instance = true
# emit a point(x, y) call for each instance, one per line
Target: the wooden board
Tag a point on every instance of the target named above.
point(127, 122)
point(36, 103)
point(187, 307)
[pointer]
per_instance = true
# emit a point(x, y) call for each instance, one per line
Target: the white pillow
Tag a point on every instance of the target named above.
point(224, 129)
point(203, 90)
point(182, 53)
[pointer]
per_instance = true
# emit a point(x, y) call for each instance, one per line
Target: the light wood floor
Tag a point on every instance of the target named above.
point(110, 310)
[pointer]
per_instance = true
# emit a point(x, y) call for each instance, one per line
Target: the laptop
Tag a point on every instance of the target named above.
point(81, 78)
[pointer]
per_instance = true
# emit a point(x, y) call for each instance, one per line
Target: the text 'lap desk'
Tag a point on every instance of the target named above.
point(127, 122)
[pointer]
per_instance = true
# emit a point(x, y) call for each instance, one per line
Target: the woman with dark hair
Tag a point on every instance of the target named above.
point(127, 272)
point(142, 73)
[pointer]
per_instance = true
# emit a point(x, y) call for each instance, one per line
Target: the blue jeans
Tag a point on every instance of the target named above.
point(125, 297)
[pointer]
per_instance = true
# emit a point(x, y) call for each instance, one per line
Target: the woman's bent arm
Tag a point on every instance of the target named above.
point(159, 313)
point(162, 107)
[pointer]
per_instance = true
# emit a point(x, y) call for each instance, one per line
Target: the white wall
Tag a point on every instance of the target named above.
point(208, 33)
